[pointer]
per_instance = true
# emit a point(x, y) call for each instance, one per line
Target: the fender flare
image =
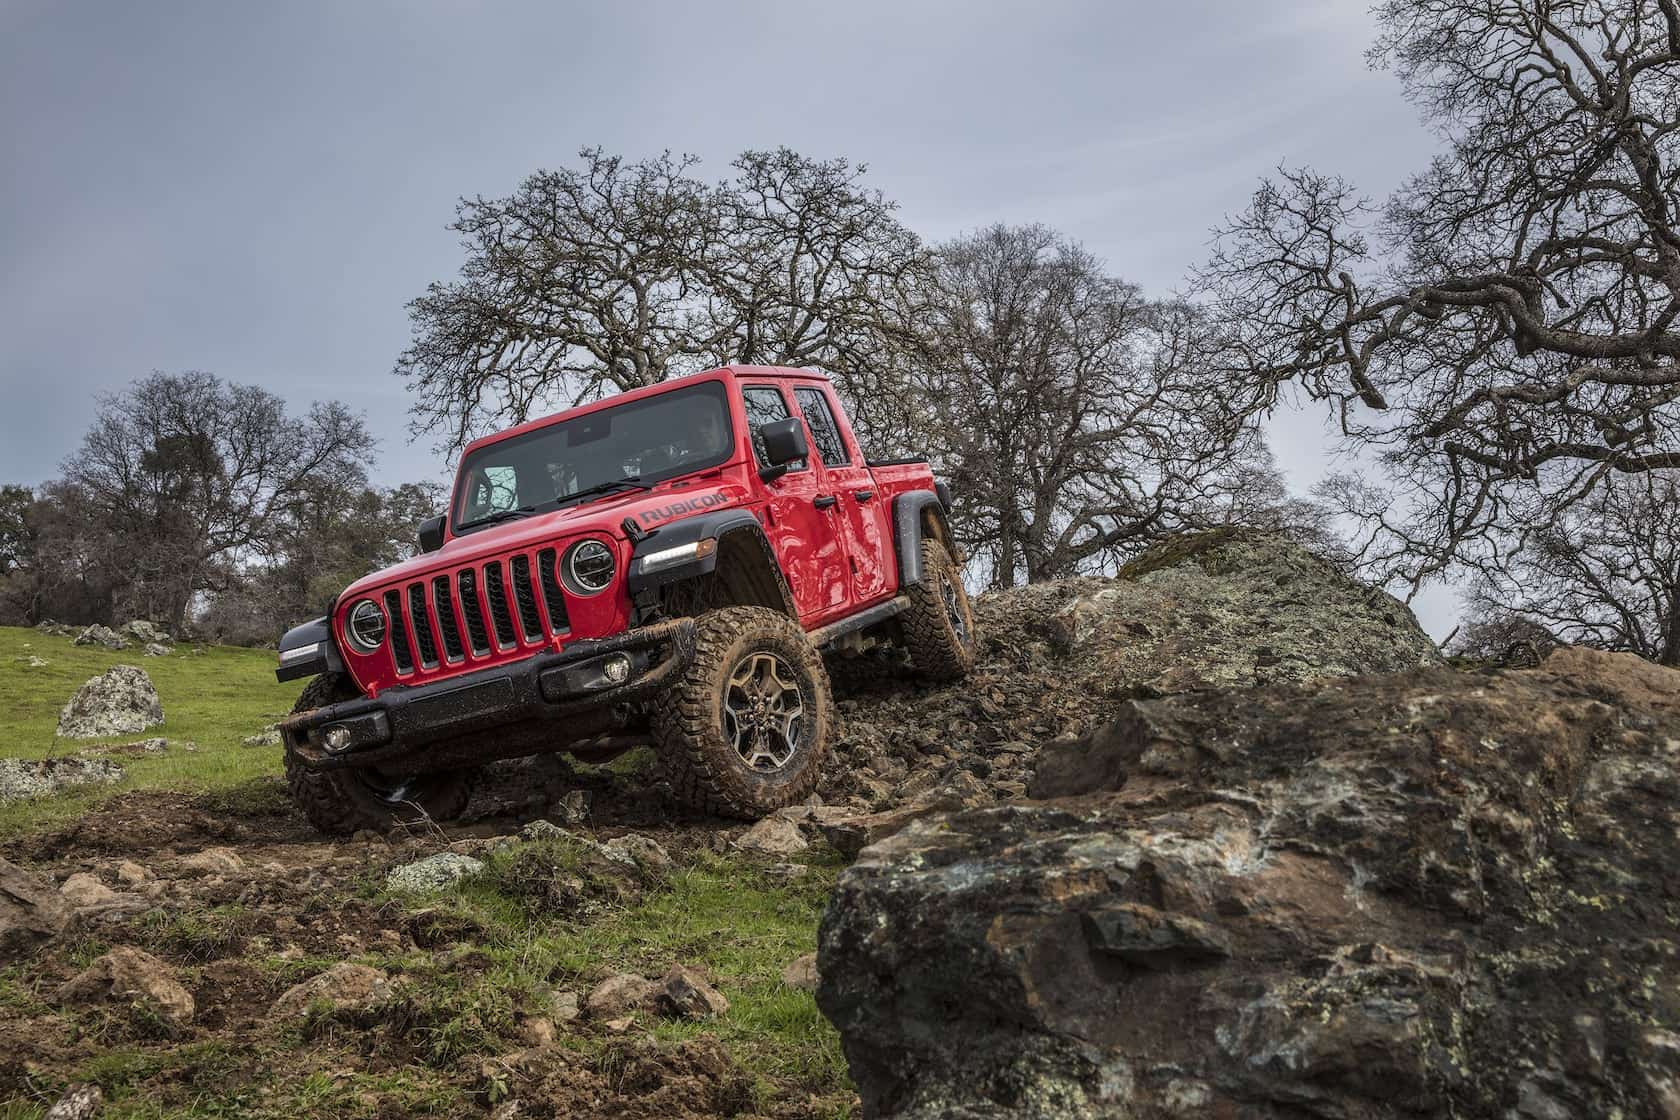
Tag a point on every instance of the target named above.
point(315, 636)
point(690, 530)
point(907, 530)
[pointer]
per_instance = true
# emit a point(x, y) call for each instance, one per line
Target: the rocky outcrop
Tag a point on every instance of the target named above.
point(120, 701)
point(36, 777)
point(145, 633)
point(1412, 894)
point(97, 635)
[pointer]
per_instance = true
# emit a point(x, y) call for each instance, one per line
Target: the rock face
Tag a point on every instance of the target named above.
point(120, 701)
point(1412, 894)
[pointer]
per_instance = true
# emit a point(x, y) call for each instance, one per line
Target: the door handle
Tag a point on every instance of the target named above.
point(863, 495)
point(824, 501)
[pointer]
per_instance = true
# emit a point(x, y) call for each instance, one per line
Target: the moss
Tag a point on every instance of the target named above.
point(1178, 549)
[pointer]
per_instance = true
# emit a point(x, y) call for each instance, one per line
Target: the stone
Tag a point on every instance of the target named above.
point(131, 874)
point(31, 911)
point(79, 1102)
point(772, 836)
point(132, 976)
point(537, 1031)
point(645, 852)
point(801, 973)
point(684, 993)
point(22, 778)
point(33, 661)
point(155, 649)
point(268, 737)
point(345, 987)
point(564, 1007)
point(83, 891)
point(434, 873)
point(618, 994)
point(141, 631)
point(97, 635)
point(120, 701)
point(850, 835)
point(1289, 899)
point(574, 807)
point(213, 861)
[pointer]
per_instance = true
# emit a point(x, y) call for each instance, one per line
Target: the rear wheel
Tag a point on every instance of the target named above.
point(746, 729)
point(939, 626)
point(343, 801)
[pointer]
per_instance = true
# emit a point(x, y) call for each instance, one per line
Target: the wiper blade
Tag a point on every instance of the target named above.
point(499, 515)
point(632, 481)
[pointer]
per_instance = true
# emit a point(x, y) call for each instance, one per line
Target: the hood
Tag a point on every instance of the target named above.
point(604, 516)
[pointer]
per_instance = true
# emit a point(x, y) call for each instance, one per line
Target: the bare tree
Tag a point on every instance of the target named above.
point(1607, 574)
point(188, 474)
point(1504, 335)
point(1070, 414)
point(617, 275)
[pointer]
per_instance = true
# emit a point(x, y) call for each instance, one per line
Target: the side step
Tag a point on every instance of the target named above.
point(864, 618)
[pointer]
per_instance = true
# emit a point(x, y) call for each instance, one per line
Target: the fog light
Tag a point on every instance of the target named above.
point(336, 738)
point(616, 668)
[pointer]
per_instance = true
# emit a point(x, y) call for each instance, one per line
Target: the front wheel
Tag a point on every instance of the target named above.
point(340, 802)
point(746, 729)
point(939, 626)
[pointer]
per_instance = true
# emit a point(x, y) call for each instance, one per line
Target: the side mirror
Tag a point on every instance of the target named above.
point(784, 445)
point(431, 534)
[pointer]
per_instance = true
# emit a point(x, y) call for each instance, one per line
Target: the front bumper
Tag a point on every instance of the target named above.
point(395, 726)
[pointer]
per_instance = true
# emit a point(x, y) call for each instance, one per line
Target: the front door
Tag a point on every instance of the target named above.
point(799, 520)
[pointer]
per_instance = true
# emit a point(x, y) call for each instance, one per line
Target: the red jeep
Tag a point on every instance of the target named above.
point(660, 567)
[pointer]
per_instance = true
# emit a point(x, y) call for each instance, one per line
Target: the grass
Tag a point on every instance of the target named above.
point(212, 700)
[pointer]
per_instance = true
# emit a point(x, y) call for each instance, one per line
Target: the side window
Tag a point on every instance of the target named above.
point(824, 431)
point(764, 404)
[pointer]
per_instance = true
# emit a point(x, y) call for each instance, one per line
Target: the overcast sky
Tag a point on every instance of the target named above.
point(257, 190)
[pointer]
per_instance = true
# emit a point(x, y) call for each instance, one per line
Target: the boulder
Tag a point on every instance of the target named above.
point(79, 1102)
point(645, 852)
point(144, 632)
point(129, 975)
point(31, 911)
point(684, 993)
point(25, 777)
point(434, 873)
point(120, 701)
point(1421, 893)
point(97, 635)
point(343, 988)
point(155, 649)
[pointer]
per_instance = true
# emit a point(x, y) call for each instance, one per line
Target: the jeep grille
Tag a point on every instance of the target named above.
point(493, 606)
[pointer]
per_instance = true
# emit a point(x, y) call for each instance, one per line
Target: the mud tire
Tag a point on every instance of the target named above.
point(937, 650)
point(341, 802)
point(700, 758)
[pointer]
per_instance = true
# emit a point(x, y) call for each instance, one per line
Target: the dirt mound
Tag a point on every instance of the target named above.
point(1429, 893)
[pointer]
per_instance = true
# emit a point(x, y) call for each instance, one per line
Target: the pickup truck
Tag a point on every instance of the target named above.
point(664, 567)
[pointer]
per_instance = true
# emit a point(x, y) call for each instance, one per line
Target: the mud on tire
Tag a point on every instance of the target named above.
point(746, 729)
point(939, 626)
point(340, 802)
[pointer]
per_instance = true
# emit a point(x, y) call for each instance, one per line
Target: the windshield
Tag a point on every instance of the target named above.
point(645, 441)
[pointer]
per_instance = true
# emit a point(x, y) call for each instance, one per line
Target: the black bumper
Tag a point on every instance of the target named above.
point(544, 688)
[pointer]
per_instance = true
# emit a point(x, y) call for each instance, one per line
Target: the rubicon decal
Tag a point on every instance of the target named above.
point(678, 509)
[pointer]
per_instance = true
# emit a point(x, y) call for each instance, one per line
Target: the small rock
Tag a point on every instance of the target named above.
point(131, 874)
point(618, 994)
point(850, 835)
point(542, 830)
point(82, 891)
point(153, 649)
point(574, 807)
point(786, 872)
point(129, 975)
point(120, 701)
point(537, 1031)
point(213, 861)
point(97, 635)
point(33, 661)
point(344, 986)
point(685, 994)
point(21, 777)
point(644, 851)
point(81, 1102)
point(139, 630)
point(30, 911)
point(801, 973)
point(619, 1026)
point(267, 737)
point(564, 1007)
point(772, 836)
point(434, 873)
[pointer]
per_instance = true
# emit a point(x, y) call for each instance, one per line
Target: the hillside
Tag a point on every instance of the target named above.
point(578, 947)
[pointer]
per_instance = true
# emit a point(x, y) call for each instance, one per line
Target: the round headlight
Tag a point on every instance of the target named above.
point(366, 626)
point(588, 568)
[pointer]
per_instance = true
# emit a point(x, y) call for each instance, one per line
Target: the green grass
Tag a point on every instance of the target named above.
point(213, 700)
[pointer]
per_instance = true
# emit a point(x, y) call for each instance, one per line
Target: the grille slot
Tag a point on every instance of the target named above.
point(527, 598)
point(422, 623)
point(474, 611)
point(399, 633)
point(553, 598)
point(497, 594)
point(448, 629)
